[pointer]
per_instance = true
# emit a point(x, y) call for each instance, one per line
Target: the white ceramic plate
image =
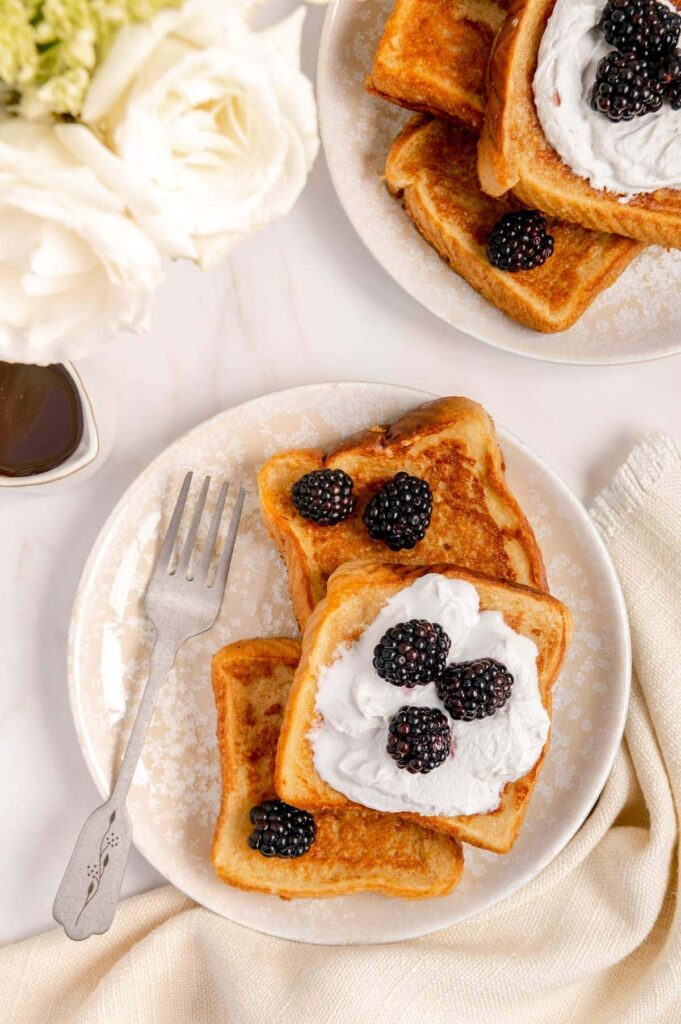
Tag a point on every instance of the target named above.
point(174, 800)
point(637, 319)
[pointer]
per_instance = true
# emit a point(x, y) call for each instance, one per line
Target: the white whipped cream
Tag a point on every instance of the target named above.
point(626, 157)
point(356, 706)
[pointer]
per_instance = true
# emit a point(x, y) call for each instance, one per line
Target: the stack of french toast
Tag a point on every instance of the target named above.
point(538, 226)
point(413, 715)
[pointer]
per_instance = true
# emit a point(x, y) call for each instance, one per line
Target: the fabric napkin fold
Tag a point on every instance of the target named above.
point(595, 938)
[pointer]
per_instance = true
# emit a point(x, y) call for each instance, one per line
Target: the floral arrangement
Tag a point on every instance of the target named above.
point(133, 131)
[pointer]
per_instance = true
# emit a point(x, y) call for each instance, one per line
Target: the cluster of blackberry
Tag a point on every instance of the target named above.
point(415, 653)
point(474, 689)
point(324, 497)
point(412, 653)
point(281, 830)
point(520, 241)
point(419, 739)
point(399, 514)
point(644, 69)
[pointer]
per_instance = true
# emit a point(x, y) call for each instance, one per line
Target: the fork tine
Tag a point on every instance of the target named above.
point(190, 539)
point(227, 551)
point(171, 533)
point(204, 565)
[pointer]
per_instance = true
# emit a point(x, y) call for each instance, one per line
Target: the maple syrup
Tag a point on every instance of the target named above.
point(41, 418)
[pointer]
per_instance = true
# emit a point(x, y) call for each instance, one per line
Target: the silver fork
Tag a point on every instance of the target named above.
point(179, 606)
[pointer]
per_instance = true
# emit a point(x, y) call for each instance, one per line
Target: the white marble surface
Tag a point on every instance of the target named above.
point(302, 302)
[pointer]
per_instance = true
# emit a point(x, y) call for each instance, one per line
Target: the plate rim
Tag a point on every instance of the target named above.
point(586, 804)
point(322, 78)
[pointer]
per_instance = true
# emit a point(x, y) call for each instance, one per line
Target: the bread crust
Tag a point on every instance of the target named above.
point(432, 57)
point(431, 166)
point(476, 520)
point(514, 153)
point(355, 851)
point(356, 593)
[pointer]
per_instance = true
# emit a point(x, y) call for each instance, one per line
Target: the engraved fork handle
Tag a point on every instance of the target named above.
point(89, 892)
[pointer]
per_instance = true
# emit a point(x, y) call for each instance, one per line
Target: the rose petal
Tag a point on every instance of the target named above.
point(74, 268)
point(218, 122)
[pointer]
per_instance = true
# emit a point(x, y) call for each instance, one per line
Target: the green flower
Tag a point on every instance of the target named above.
point(18, 49)
point(49, 49)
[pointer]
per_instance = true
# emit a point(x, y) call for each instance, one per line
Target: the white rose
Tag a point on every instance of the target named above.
point(216, 119)
point(74, 268)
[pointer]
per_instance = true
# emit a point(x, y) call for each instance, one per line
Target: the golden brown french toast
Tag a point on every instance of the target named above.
point(354, 851)
point(432, 166)
point(451, 443)
point(356, 593)
point(514, 153)
point(433, 56)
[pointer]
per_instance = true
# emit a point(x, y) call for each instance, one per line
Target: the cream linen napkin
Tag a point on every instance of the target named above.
point(595, 938)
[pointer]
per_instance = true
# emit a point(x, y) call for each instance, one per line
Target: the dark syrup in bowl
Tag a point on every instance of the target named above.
point(41, 418)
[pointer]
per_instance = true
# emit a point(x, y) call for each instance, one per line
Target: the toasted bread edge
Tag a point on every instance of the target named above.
point(296, 776)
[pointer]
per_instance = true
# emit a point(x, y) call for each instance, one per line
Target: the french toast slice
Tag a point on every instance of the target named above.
point(514, 153)
point(432, 166)
point(476, 521)
point(356, 593)
point(355, 850)
point(433, 56)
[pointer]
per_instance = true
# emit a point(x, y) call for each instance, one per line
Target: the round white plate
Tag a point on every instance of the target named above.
point(637, 319)
point(174, 800)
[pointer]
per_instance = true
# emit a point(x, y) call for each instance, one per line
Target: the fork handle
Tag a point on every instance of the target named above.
point(162, 658)
point(90, 889)
point(89, 892)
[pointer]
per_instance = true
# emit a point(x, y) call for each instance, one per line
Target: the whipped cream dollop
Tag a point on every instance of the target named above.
point(626, 157)
point(356, 706)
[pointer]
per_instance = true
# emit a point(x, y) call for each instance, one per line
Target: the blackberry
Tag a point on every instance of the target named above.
point(324, 496)
point(399, 514)
point(669, 74)
point(474, 689)
point(626, 87)
point(419, 739)
point(412, 653)
point(519, 241)
point(280, 830)
point(642, 27)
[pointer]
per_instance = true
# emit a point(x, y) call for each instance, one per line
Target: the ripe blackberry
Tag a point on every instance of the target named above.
point(474, 689)
point(626, 87)
point(412, 653)
point(519, 241)
point(419, 739)
point(669, 74)
point(642, 27)
point(324, 496)
point(280, 830)
point(399, 514)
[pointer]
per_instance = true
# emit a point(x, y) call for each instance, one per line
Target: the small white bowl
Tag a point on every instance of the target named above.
point(75, 466)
